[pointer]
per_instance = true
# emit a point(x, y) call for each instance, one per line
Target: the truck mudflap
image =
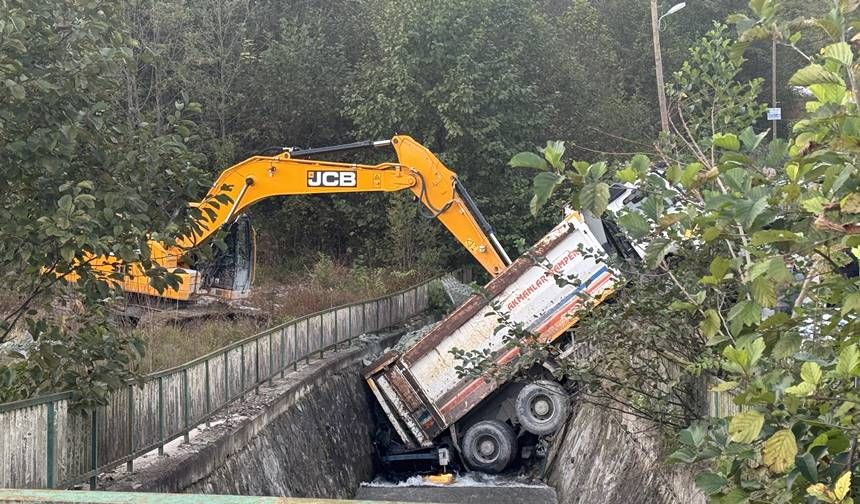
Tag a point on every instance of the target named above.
point(421, 388)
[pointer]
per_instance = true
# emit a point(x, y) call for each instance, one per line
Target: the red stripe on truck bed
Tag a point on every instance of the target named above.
point(479, 384)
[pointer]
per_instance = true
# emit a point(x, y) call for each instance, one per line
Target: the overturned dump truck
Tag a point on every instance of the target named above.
point(430, 405)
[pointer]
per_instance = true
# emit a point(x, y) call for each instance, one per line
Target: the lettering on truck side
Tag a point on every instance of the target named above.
point(472, 391)
point(554, 270)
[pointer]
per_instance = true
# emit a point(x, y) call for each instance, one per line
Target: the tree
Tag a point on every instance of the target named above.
point(412, 237)
point(294, 97)
point(626, 22)
point(585, 80)
point(752, 287)
point(707, 97)
point(79, 181)
point(219, 51)
point(461, 77)
point(154, 73)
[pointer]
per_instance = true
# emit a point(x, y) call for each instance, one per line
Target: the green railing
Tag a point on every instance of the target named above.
point(45, 445)
point(75, 496)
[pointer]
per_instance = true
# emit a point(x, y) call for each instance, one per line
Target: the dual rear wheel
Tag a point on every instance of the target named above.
point(491, 445)
point(542, 407)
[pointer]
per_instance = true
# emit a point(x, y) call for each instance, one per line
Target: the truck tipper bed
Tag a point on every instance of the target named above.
point(419, 388)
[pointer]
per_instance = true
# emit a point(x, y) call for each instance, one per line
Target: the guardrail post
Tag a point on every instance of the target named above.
point(413, 301)
point(186, 406)
point(271, 363)
point(348, 326)
point(226, 379)
point(51, 439)
point(160, 415)
point(94, 448)
point(283, 350)
point(295, 348)
point(129, 466)
point(208, 394)
point(257, 366)
point(717, 407)
point(334, 314)
point(322, 332)
point(308, 338)
point(242, 374)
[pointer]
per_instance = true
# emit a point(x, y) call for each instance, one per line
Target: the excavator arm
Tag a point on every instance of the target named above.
point(417, 170)
point(293, 172)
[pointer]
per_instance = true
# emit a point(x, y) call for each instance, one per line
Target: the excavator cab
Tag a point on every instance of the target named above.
point(228, 273)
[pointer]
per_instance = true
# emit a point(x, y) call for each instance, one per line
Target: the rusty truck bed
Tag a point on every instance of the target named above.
point(420, 390)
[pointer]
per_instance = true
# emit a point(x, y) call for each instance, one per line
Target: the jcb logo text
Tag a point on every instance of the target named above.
point(331, 179)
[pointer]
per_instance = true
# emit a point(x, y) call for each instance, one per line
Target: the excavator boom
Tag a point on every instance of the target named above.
point(294, 172)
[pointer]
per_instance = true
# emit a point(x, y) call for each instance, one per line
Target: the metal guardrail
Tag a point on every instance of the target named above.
point(45, 445)
point(67, 497)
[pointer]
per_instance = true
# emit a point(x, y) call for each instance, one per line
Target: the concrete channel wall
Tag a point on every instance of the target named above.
point(604, 456)
point(45, 444)
point(308, 435)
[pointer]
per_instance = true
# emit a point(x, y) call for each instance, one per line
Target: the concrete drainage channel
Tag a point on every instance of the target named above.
point(467, 488)
point(311, 434)
point(308, 435)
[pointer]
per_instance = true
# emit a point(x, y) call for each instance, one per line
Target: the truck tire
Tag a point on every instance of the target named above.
point(542, 407)
point(489, 446)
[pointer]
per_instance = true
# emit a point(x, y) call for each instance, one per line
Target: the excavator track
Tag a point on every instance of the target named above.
point(162, 314)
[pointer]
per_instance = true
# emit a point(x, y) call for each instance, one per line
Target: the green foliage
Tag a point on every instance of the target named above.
point(439, 304)
point(342, 284)
point(588, 178)
point(458, 76)
point(599, 99)
point(707, 97)
point(91, 362)
point(468, 79)
point(756, 269)
point(79, 179)
point(412, 237)
point(97, 141)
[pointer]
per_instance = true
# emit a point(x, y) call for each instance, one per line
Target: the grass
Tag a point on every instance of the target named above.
point(278, 296)
point(171, 345)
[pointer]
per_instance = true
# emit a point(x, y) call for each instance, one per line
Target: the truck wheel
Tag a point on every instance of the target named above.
point(489, 446)
point(542, 407)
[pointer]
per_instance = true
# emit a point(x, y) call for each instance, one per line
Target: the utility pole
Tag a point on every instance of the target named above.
point(658, 64)
point(773, 80)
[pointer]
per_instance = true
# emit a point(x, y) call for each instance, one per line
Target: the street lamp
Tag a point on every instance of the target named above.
point(658, 60)
point(675, 8)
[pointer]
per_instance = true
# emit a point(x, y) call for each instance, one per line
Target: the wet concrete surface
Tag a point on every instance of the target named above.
point(461, 494)
point(469, 487)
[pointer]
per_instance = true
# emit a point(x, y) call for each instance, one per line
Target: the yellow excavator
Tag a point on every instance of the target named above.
point(294, 171)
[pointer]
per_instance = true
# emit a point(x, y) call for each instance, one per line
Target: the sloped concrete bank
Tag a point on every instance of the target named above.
point(604, 456)
point(308, 435)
